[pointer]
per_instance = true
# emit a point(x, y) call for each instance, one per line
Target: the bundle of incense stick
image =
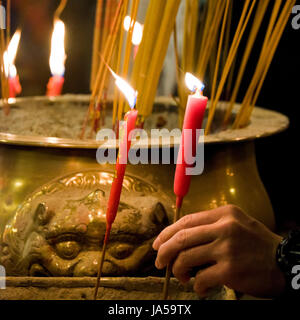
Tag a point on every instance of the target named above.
point(211, 50)
point(4, 41)
point(110, 41)
point(159, 24)
point(274, 33)
point(217, 52)
point(114, 13)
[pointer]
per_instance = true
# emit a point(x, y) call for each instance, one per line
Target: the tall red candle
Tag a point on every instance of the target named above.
point(57, 60)
point(116, 188)
point(192, 123)
point(193, 120)
point(9, 58)
point(126, 129)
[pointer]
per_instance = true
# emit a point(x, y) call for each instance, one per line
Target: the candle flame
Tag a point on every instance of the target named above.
point(138, 30)
point(129, 93)
point(9, 56)
point(193, 83)
point(58, 54)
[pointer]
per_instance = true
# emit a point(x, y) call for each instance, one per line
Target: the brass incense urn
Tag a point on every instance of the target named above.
point(54, 195)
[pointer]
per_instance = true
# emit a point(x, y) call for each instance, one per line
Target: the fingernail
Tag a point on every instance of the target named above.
point(157, 264)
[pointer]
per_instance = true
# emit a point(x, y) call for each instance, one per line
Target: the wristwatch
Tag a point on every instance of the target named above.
point(287, 257)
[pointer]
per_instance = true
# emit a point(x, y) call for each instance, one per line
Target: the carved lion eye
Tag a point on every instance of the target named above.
point(68, 249)
point(121, 250)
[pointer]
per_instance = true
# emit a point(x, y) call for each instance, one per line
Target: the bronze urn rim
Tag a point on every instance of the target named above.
point(264, 123)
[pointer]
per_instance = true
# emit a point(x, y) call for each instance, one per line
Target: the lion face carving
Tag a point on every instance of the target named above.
point(60, 233)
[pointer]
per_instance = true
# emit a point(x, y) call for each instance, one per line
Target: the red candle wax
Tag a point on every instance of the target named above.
point(193, 119)
point(14, 86)
point(55, 85)
point(116, 188)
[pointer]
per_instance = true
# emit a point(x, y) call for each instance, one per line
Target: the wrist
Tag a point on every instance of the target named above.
point(279, 279)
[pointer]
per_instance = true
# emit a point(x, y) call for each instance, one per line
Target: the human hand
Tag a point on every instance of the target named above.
point(230, 247)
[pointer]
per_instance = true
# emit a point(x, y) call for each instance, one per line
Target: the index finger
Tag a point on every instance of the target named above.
point(188, 221)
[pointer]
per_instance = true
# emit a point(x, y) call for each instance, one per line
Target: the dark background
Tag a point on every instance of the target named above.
point(277, 156)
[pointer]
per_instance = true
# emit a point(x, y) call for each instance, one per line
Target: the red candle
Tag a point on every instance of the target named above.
point(193, 119)
point(9, 58)
point(14, 86)
point(125, 142)
point(116, 188)
point(55, 86)
point(57, 60)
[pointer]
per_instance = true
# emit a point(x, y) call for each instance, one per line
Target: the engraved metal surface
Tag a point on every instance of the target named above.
point(59, 229)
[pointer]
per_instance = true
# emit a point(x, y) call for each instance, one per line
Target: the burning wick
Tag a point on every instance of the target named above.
point(137, 34)
point(194, 84)
point(9, 58)
point(193, 120)
point(124, 147)
point(57, 60)
point(129, 93)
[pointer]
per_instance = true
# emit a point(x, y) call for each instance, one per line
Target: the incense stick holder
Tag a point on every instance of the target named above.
point(50, 181)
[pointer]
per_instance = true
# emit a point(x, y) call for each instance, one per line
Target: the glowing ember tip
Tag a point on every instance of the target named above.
point(193, 83)
point(58, 55)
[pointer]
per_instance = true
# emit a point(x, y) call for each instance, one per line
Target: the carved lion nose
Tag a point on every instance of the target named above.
point(88, 265)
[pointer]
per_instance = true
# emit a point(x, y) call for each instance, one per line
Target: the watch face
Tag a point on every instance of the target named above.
point(291, 249)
